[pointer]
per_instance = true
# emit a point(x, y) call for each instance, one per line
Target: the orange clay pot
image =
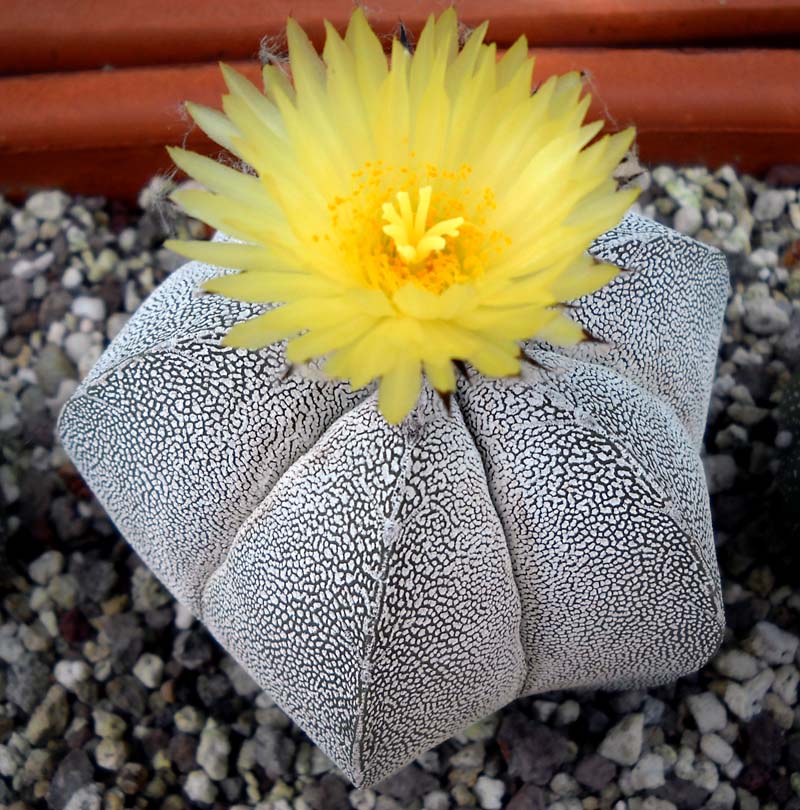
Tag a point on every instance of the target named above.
point(55, 35)
point(103, 132)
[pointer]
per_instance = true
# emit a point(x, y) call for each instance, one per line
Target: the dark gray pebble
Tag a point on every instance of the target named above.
point(73, 772)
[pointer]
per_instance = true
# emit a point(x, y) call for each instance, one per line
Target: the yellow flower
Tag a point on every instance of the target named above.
point(405, 216)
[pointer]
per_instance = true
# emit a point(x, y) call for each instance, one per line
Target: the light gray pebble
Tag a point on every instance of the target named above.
point(741, 393)
point(764, 257)
point(76, 345)
point(769, 205)
point(29, 269)
point(794, 215)
point(567, 803)
point(758, 686)
point(563, 785)
point(435, 800)
point(688, 220)
point(716, 749)
point(771, 644)
point(184, 618)
point(489, 793)
point(10, 647)
point(213, 751)
point(86, 798)
point(743, 357)
point(764, 316)
point(780, 711)
point(748, 415)
point(568, 712)
point(86, 306)
point(736, 664)
point(648, 773)
point(72, 278)
point(199, 788)
point(47, 205)
point(71, 674)
point(783, 439)
point(744, 700)
point(731, 437)
point(127, 240)
point(723, 797)
point(708, 713)
point(623, 743)
point(364, 799)
point(544, 709)
point(785, 683)
point(149, 669)
point(10, 761)
point(706, 775)
point(46, 566)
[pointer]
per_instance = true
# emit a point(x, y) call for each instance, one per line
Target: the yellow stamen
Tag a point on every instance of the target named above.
point(413, 240)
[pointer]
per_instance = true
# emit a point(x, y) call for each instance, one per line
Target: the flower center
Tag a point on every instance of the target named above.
point(412, 224)
point(413, 239)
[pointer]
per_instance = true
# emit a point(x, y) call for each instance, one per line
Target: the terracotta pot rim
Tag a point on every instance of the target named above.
point(53, 35)
point(713, 107)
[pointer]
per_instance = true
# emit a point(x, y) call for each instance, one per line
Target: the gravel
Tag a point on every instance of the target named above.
point(113, 696)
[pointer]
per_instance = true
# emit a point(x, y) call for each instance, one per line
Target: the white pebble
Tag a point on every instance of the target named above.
point(76, 345)
point(46, 566)
point(769, 205)
point(785, 683)
point(47, 205)
point(149, 669)
point(723, 798)
point(736, 664)
point(71, 673)
point(490, 793)
point(764, 257)
point(716, 749)
point(648, 773)
point(199, 788)
point(709, 714)
point(794, 215)
point(86, 307)
point(183, 616)
point(623, 743)
point(771, 644)
point(688, 220)
point(764, 316)
point(71, 279)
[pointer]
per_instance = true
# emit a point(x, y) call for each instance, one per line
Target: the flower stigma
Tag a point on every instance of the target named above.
point(414, 241)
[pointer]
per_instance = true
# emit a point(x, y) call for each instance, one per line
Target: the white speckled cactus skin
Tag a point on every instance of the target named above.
point(391, 585)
